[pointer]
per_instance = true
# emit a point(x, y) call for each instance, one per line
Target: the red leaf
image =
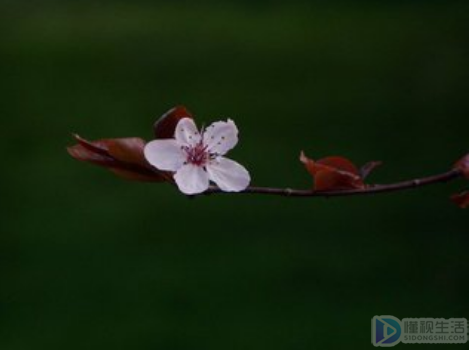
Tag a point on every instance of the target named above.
point(333, 173)
point(333, 180)
point(98, 147)
point(164, 128)
point(124, 157)
point(463, 165)
point(339, 163)
point(124, 149)
point(462, 199)
point(128, 150)
point(81, 153)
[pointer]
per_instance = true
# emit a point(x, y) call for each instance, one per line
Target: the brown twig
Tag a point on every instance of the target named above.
point(368, 190)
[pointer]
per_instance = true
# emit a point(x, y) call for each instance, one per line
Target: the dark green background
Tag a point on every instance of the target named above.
point(90, 261)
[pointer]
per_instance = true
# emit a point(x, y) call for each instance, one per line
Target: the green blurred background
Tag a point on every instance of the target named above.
point(90, 261)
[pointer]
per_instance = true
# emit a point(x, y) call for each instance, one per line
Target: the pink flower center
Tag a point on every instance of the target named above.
point(197, 155)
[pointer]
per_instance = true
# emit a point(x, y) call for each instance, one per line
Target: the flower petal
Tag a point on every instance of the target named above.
point(221, 137)
point(191, 179)
point(165, 154)
point(228, 175)
point(187, 133)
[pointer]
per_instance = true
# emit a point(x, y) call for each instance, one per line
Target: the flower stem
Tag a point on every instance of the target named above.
point(368, 190)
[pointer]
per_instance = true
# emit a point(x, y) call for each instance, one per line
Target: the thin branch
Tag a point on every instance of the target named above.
point(369, 190)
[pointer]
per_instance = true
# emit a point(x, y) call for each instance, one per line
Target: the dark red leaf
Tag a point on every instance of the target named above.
point(164, 128)
point(128, 150)
point(98, 146)
point(124, 157)
point(332, 180)
point(333, 173)
point(81, 153)
point(339, 163)
point(462, 199)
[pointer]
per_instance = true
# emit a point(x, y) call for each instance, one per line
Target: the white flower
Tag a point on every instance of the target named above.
point(197, 158)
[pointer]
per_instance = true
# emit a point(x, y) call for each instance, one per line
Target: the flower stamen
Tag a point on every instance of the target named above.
point(197, 155)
